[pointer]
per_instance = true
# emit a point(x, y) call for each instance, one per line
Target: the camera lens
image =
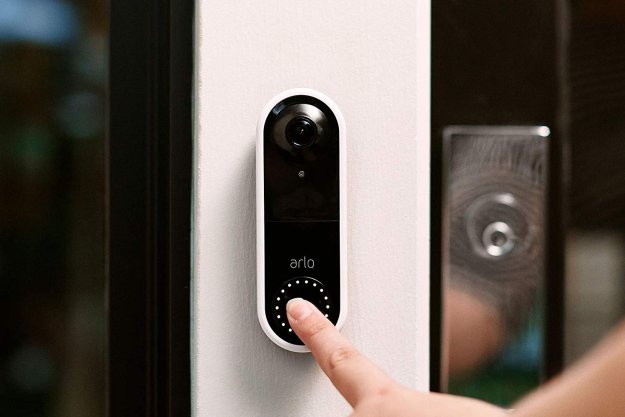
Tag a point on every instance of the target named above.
point(301, 132)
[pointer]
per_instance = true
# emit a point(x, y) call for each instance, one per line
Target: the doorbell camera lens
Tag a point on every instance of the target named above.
point(297, 123)
point(301, 132)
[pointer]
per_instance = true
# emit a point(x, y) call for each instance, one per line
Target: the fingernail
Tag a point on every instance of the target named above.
point(298, 309)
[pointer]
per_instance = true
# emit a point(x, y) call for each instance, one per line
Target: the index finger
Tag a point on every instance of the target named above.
point(352, 374)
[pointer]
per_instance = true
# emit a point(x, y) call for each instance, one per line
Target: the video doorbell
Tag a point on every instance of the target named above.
point(301, 211)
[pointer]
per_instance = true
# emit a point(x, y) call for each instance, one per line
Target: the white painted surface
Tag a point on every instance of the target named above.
point(372, 58)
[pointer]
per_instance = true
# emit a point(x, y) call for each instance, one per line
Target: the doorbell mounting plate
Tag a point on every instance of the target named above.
point(301, 209)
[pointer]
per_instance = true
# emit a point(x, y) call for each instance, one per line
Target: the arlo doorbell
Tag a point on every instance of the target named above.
point(301, 211)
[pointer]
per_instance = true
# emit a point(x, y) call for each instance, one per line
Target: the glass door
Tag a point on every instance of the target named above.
point(52, 174)
point(95, 160)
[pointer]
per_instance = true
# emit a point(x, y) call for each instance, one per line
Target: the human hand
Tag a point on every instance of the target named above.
point(366, 387)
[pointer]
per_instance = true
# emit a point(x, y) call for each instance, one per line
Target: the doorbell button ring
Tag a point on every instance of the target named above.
point(304, 287)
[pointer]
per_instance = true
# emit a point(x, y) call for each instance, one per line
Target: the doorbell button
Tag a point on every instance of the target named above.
point(304, 287)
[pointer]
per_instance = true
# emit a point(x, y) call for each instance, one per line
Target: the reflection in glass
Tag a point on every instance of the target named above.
point(494, 220)
point(52, 319)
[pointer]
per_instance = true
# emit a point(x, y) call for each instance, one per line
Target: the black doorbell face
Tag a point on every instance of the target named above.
point(301, 210)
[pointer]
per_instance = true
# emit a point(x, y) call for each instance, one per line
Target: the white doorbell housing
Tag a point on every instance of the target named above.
point(301, 211)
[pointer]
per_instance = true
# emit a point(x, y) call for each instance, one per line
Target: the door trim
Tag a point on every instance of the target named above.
point(148, 207)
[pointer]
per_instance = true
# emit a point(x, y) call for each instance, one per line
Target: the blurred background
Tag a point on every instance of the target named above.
point(53, 62)
point(595, 172)
point(558, 63)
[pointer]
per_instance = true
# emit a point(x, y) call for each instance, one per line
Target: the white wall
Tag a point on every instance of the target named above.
point(372, 58)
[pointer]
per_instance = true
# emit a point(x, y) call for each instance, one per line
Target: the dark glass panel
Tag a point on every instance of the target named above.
point(52, 318)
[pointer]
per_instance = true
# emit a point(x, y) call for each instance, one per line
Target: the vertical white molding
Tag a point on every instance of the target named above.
point(372, 58)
